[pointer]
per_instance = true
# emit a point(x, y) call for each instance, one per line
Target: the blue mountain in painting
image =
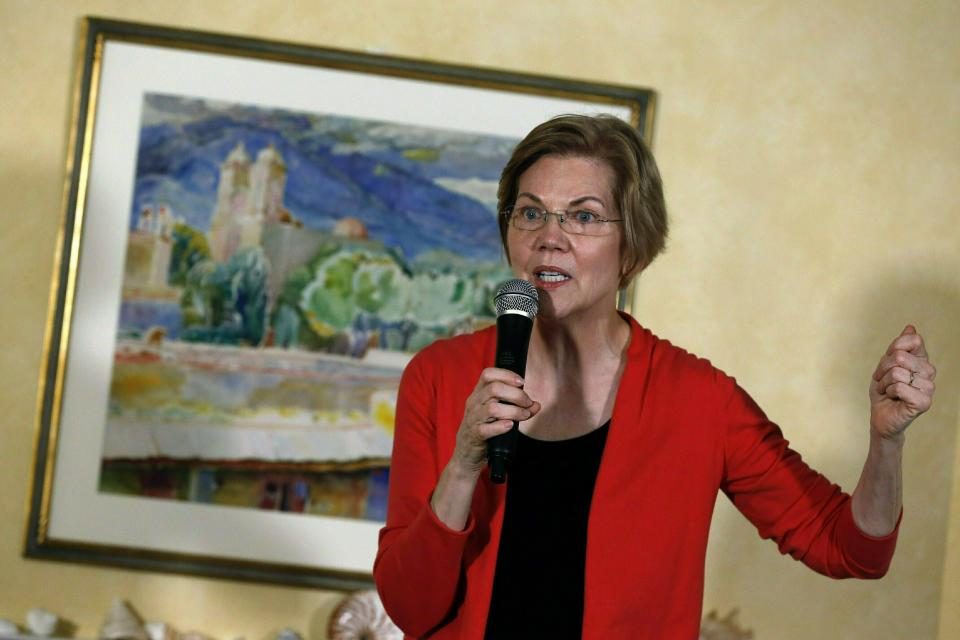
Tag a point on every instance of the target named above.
point(415, 189)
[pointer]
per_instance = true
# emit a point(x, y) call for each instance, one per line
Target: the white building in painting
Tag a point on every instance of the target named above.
point(249, 197)
point(250, 213)
point(149, 248)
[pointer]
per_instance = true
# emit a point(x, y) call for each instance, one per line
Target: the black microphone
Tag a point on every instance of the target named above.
point(517, 304)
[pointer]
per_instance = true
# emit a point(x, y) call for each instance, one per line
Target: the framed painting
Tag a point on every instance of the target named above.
point(256, 238)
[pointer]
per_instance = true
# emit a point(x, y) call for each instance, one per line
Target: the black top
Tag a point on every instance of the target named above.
point(538, 584)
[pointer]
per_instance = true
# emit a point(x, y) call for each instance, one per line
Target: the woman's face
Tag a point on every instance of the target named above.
point(575, 275)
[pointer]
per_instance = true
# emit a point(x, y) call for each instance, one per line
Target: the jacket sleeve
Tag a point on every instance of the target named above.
point(419, 560)
point(804, 513)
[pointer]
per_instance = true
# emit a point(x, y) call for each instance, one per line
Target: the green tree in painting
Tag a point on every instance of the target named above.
point(328, 300)
point(190, 247)
point(248, 270)
point(351, 292)
point(227, 302)
point(351, 282)
point(382, 288)
point(204, 299)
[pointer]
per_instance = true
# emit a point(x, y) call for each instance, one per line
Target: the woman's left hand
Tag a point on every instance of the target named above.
point(902, 386)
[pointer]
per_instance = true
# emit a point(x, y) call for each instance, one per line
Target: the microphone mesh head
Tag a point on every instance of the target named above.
point(517, 295)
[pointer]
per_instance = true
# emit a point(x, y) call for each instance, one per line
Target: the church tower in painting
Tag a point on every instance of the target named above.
point(249, 196)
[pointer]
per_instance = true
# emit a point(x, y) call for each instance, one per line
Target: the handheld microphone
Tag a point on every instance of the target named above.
point(517, 304)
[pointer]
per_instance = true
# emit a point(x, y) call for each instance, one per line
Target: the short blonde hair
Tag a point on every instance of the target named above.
point(637, 188)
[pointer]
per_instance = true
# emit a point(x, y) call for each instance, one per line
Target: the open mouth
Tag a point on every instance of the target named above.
point(551, 276)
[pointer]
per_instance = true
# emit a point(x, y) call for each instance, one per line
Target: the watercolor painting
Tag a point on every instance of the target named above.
point(281, 268)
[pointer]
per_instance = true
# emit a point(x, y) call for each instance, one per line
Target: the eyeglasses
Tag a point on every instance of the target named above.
point(578, 221)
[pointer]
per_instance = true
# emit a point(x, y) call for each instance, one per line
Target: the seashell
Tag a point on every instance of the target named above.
point(41, 622)
point(714, 627)
point(361, 617)
point(160, 631)
point(122, 623)
point(8, 628)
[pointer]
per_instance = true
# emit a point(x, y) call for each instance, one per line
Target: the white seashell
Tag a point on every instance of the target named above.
point(122, 624)
point(713, 627)
point(155, 630)
point(41, 622)
point(8, 628)
point(160, 631)
point(361, 617)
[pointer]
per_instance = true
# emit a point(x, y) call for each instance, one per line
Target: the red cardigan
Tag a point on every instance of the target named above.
point(681, 430)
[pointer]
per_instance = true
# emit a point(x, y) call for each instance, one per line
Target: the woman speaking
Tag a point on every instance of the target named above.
point(601, 528)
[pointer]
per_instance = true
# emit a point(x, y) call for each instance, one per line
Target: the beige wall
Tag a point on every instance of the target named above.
point(811, 153)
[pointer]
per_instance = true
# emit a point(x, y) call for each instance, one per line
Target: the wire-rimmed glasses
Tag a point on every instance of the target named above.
point(577, 221)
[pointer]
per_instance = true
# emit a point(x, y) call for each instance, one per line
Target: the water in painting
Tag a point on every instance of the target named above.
point(280, 270)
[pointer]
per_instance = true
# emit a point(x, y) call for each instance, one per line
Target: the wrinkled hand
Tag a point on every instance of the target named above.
point(495, 403)
point(902, 386)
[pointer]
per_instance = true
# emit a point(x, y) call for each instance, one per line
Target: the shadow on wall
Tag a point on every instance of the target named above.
point(926, 298)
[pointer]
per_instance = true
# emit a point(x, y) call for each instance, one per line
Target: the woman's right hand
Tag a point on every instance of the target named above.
point(495, 403)
point(491, 409)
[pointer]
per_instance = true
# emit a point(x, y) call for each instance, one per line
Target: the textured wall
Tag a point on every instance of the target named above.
point(811, 161)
